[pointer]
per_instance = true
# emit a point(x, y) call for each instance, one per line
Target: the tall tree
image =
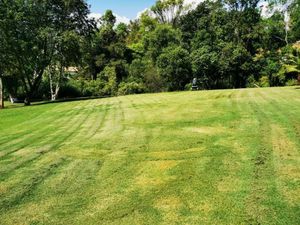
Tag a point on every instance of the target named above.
point(7, 63)
point(295, 20)
point(175, 67)
point(35, 30)
point(162, 37)
point(69, 54)
point(169, 11)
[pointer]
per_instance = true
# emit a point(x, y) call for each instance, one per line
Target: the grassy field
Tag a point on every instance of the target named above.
point(211, 157)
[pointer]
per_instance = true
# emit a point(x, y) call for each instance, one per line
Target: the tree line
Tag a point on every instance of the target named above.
point(51, 49)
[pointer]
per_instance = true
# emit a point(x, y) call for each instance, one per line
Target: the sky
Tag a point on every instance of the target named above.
point(122, 8)
point(126, 10)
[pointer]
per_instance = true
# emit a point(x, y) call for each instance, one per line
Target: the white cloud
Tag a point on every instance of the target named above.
point(119, 19)
point(141, 12)
point(192, 3)
point(96, 16)
point(122, 19)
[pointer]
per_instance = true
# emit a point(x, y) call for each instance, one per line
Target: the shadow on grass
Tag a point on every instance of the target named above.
point(69, 100)
point(9, 105)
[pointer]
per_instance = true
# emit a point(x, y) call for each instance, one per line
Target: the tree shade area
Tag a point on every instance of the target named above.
point(53, 49)
point(208, 157)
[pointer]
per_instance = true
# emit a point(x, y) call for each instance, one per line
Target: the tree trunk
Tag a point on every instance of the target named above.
point(286, 28)
point(33, 87)
point(286, 36)
point(1, 95)
point(54, 90)
point(51, 85)
point(55, 93)
point(55, 83)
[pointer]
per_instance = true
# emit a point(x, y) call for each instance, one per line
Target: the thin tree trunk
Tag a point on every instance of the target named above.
point(55, 83)
point(33, 87)
point(57, 87)
point(1, 95)
point(51, 85)
point(286, 36)
point(286, 28)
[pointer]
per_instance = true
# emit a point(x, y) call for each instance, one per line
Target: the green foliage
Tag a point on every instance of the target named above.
point(168, 11)
point(34, 33)
point(295, 20)
point(108, 19)
point(273, 34)
point(126, 88)
point(292, 82)
point(205, 64)
point(251, 82)
point(264, 81)
point(162, 37)
point(109, 76)
point(175, 67)
point(225, 44)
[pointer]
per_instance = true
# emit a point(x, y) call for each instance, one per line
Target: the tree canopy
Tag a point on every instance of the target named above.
point(225, 44)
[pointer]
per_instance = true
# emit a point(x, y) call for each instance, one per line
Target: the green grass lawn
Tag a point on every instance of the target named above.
point(208, 157)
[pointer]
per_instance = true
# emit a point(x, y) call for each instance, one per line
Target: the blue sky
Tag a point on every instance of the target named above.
point(126, 8)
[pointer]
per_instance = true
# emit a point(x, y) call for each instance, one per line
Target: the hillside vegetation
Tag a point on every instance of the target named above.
point(221, 44)
point(208, 157)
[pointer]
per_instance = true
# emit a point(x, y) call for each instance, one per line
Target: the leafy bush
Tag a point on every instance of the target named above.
point(109, 77)
point(188, 87)
point(291, 82)
point(175, 67)
point(251, 82)
point(264, 81)
point(131, 88)
point(70, 90)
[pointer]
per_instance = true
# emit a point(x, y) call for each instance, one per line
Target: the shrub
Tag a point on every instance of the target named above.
point(131, 88)
point(291, 82)
point(251, 82)
point(175, 67)
point(264, 81)
point(188, 87)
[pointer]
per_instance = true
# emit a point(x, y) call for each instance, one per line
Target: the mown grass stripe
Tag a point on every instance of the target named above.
point(208, 157)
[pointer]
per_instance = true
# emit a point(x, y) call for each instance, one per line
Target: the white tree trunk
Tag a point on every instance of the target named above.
point(57, 87)
point(1, 95)
point(51, 86)
point(287, 26)
point(55, 84)
point(54, 92)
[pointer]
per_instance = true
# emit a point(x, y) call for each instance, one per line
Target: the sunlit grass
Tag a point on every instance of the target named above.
point(208, 157)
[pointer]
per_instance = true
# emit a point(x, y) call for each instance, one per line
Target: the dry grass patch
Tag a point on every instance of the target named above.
point(229, 184)
point(168, 203)
point(153, 173)
point(206, 130)
point(165, 155)
point(169, 206)
point(204, 207)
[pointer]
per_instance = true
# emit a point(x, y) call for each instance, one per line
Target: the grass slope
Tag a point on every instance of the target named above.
point(213, 157)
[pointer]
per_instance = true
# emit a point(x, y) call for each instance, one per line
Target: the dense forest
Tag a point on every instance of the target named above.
point(53, 49)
